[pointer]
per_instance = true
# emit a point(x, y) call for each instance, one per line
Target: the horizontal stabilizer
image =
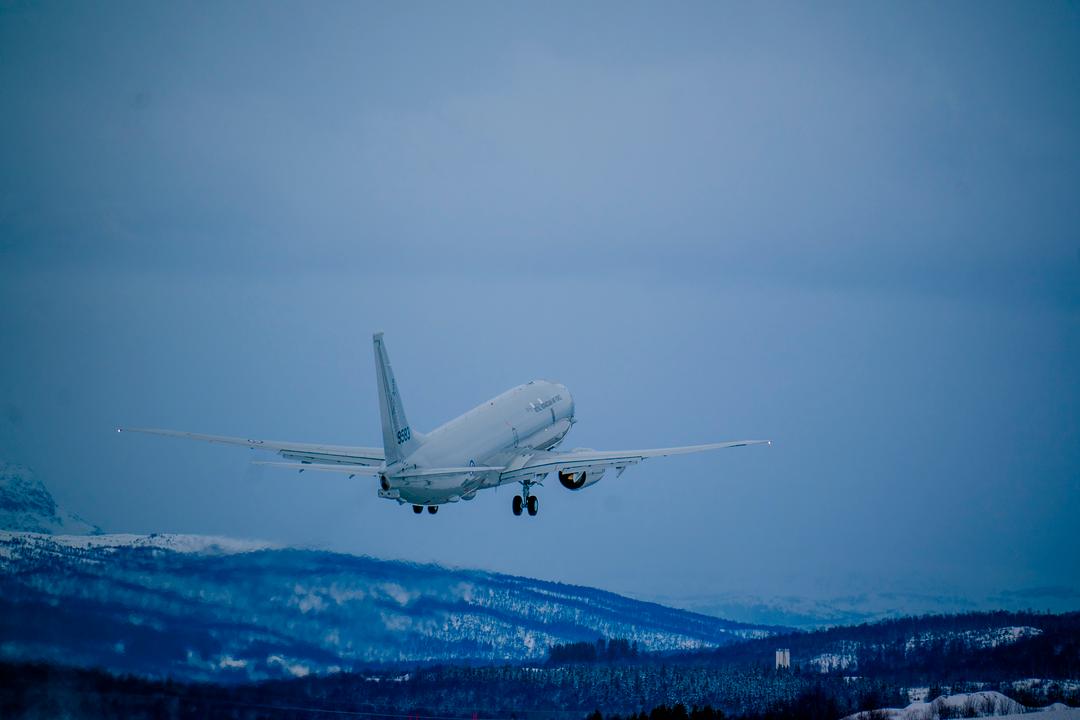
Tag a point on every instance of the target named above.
point(425, 472)
point(368, 470)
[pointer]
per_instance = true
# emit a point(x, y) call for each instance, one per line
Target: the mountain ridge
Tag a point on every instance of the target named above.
point(201, 607)
point(27, 505)
point(198, 608)
point(868, 605)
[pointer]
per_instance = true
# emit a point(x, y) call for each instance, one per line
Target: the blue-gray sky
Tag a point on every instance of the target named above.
point(849, 227)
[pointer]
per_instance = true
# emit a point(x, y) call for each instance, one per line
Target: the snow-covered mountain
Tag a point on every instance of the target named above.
point(205, 607)
point(869, 605)
point(26, 504)
point(197, 607)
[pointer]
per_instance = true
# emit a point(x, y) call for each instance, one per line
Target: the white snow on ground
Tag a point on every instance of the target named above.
point(199, 544)
point(1056, 711)
point(982, 704)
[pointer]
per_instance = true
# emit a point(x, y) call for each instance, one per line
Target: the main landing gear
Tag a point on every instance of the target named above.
point(525, 500)
point(432, 509)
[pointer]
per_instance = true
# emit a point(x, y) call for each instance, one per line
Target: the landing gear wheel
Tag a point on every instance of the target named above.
point(532, 504)
point(418, 509)
point(517, 505)
point(432, 509)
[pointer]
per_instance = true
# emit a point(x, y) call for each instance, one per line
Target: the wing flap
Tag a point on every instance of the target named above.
point(349, 470)
point(541, 463)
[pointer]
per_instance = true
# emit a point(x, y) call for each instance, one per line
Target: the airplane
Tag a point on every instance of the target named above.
point(508, 439)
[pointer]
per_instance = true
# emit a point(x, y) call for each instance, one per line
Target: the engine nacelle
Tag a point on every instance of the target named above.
point(578, 479)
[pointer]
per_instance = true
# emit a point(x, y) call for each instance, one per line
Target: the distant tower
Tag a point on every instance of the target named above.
point(783, 658)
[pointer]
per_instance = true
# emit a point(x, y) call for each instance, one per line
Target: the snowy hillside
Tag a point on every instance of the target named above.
point(26, 504)
point(843, 654)
point(196, 607)
point(982, 638)
point(979, 704)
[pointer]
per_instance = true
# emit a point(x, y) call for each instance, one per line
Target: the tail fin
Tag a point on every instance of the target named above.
point(399, 441)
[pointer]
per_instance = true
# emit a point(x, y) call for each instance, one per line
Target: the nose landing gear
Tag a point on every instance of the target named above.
point(525, 501)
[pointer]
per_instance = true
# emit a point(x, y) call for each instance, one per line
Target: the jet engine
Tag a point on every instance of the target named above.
point(580, 478)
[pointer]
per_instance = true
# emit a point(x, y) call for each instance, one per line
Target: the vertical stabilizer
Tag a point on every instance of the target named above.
point(399, 441)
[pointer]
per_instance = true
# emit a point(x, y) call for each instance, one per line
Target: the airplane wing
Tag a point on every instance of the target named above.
point(304, 452)
point(545, 462)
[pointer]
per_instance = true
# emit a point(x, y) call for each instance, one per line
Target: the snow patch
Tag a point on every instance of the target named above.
point(400, 595)
point(396, 623)
point(340, 595)
point(307, 600)
point(293, 668)
point(228, 662)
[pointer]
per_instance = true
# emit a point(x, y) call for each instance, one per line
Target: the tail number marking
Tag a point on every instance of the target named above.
point(403, 435)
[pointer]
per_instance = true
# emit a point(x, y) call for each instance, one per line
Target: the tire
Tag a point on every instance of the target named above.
point(517, 505)
point(418, 509)
point(432, 509)
point(533, 504)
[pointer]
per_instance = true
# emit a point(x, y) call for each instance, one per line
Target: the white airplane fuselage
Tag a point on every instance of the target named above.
point(512, 426)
